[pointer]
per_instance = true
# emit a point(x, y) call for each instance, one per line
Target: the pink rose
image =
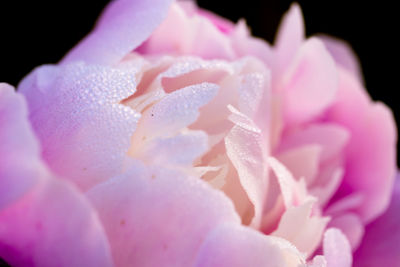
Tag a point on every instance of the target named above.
point(172, 137)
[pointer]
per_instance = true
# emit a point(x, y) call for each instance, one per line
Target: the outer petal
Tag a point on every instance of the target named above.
point(371, 152)
point(380, 245)
point(351, 226)
point(17, 145)
point(124, 25)
point(52, 225)
point(343, 55)
point(156, 217)
point(332, 138)
point(75, 111)
point(309, 84)
point(181, 34)
point(289, 38)
point(337, 249)
point(43, 221)
point(231, 245)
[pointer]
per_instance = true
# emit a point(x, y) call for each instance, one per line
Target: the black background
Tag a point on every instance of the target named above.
point(39, 32)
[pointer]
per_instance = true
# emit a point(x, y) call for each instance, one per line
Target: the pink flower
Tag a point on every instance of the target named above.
point(172, 137)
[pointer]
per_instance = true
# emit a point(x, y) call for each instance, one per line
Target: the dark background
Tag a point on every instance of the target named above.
point(39, 32)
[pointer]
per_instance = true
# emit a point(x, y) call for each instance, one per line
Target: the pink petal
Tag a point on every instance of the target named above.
point(124, 25)
point(293, 192)
point(351, 227)
point(246, 150)
point(181, 34)
point(156, 217)
point(43, 221)
point(75, 112)
point(309, 83)
point(181, 150)
point(302, 229)
point(332, 138)
point(232, 245)
point(337, 249)
point(380, 245)
point(52, 225)
point(343, 54)
point(289, 38)
point(371, 151)
point(17, 145)
point(302, 161)
point(175, 111)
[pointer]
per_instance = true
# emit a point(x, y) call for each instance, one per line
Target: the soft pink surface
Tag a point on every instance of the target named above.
point(41, 217)
point(123, 26)
point(380, 245)
point(184, 141)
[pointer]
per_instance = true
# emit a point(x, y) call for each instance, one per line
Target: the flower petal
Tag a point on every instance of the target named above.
point(232, 245)
point(182, 34)
point(17, 145)
point(245, 148)
point(53, 225)
point(351, 227)
point(302, 229)
point(124, 25)
point(43, 221)
point(332, 138)
point(157, 217)
point(174, 112)
point(309, 84)
point(343, 55)
point(371, 150)
point(181, 150)
point(380, 245)
point(75, 112)
point(337, 249)
point(289, 38)
point(302, 161)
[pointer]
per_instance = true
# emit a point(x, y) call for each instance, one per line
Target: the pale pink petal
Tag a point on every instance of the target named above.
point(329, 179)
point(175, 111)
point(337, 249)
point(124, 25)
point(332, 138)
point(302, 229)
point(246, 150)
point(180, 150)
point(156, 217)
point(351, 227)
point(317, 261)
point(380, 245)
point(371, 151)
point(180, 34)
point(302, 161)
point(343, 55)
point(289, 38)
point(75, 112)
point(232, 245)
point(52, 225)
point(309, 84)
point(17, 145)
point(293, 192)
